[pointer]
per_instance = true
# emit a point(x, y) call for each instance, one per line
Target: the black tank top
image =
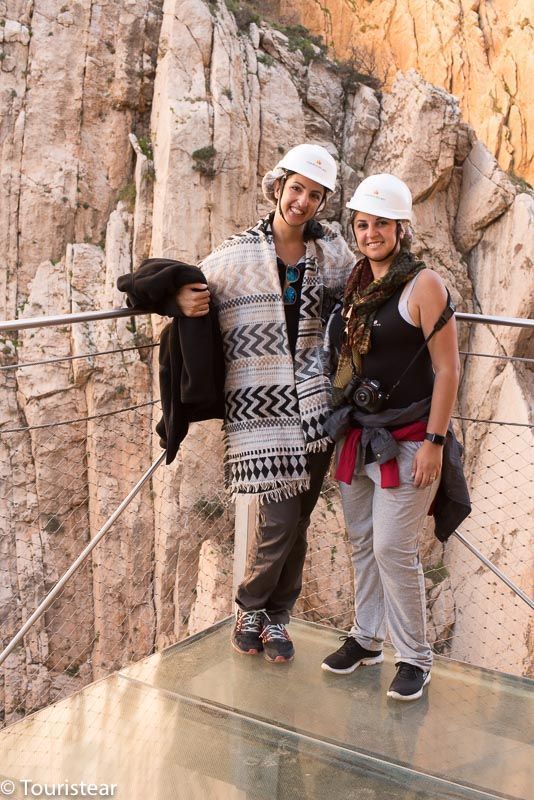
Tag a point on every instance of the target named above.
point(394, 342)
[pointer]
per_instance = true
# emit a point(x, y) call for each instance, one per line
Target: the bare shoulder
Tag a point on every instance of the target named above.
point(429, 285)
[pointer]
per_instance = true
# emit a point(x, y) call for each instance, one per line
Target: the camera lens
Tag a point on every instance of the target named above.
point(362, 397)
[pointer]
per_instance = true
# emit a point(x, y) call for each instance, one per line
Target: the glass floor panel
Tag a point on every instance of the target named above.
point(201, 721)
point(145, 744)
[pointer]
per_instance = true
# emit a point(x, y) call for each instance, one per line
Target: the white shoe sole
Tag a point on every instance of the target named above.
point(408, 697)
point(363, 661)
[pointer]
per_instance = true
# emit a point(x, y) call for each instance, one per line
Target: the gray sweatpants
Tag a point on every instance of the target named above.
point(384, 526)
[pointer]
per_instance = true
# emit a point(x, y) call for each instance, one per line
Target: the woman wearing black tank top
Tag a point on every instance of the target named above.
point(389, 461)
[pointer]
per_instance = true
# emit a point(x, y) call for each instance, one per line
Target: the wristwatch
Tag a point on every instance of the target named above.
point(435, 438)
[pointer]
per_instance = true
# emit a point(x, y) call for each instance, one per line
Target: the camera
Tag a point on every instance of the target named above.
point(365, 393)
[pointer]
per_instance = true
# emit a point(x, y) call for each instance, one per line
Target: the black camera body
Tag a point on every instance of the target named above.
point(365, 393)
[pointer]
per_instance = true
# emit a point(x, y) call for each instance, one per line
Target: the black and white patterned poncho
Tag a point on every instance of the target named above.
point(275, 405)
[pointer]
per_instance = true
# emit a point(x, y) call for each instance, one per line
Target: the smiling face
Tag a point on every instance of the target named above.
point(301, 199)
point(376, 237)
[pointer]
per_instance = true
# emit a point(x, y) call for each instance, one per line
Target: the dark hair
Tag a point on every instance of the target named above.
point(313, 230)
point(289, 172)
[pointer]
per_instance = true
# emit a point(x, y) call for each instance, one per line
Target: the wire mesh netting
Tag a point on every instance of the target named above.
point(471, 614)
point(492, 625)
point(164, 570)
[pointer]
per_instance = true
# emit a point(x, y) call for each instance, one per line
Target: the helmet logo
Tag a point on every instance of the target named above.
point(383, 194)
point(312, 161)
point(317, 163)
point(375, 195)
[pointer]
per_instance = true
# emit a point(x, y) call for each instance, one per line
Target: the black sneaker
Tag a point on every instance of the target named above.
point(247, 630)
point(349, 656)
point(409, 681)
point(277, 645)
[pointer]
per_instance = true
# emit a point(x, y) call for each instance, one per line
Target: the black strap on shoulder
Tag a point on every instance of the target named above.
point(446, 314)
point(444, 317)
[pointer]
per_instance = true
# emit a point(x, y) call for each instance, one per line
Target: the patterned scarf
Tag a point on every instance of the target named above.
point(275, 406)
point(363, 297)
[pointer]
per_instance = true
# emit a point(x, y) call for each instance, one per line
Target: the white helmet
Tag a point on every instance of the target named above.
point(312, 161)
point(383, 195)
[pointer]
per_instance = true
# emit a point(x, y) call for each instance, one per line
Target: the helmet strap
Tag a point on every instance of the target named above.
point(322, 204)
point(282, 184)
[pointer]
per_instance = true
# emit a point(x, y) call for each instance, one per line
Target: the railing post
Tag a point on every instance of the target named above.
point(51, 596)
point(496, 571)
point(246, 512)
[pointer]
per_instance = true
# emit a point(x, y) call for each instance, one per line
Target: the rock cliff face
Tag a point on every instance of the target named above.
point(478, 50)
point(91, 187)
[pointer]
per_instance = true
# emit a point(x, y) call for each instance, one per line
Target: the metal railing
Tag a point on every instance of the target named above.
point(24, 323)
point(167, 569)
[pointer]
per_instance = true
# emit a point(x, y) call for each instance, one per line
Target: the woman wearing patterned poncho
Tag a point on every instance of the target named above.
point(273, 287)
point(390, 459)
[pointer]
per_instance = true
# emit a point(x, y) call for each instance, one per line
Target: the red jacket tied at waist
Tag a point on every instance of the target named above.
point(389, 471)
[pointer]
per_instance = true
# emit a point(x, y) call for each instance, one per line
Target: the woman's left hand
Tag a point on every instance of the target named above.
point(427, 464)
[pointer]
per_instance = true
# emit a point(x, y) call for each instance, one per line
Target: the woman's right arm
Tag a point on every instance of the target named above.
point(193, 300)
point(428, 299)
point(167, 287)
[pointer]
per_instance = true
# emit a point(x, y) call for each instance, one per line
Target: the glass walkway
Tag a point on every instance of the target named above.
point(200, 722)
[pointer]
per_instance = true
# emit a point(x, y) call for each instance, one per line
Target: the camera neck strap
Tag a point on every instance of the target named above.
point(445, 316)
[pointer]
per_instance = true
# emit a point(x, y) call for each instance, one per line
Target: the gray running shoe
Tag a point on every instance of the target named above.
point(246, 635)
point(277, 645)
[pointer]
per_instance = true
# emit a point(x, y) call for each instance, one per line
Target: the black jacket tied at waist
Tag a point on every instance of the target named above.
point(452, 503)
point(191, 363)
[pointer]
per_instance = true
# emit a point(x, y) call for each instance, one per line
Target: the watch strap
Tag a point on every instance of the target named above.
point(435, 438)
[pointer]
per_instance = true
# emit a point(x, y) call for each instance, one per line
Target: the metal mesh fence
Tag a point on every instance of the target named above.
point(77, 434)
point(492, 625)
point(165, 569)
point(472, 615)
point(162, 572)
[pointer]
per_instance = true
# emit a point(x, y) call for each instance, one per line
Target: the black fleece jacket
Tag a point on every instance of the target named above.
point(191, 363)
